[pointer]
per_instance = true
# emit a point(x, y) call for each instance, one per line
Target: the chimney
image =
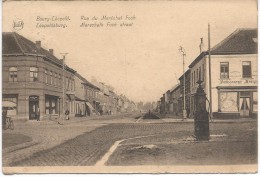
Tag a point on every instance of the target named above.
point(38, 44)
point(201, 45)
point(51, 51)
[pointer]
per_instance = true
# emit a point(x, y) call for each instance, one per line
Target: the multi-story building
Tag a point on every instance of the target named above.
point(233, 75)
point(175, 96)
point(33, 78)
point(187, 93)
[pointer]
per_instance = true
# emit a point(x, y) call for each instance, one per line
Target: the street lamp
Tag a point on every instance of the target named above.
point(182, 50)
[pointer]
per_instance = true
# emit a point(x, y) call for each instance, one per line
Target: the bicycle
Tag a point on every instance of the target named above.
point(9, 123)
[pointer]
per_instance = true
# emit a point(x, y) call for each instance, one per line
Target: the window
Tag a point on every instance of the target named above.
point(197, 74)
point(46, 76)
point(13, 74)
point(191, 79)
point(33, 74)
point(60, 80)
point(224, 70)
point(202, 72)
point(55, 79)
point(51, 78)
point(51, 105)
point(246, 67)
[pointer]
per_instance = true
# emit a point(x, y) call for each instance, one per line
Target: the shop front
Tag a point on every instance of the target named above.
point(51, 104)
point(237, 102)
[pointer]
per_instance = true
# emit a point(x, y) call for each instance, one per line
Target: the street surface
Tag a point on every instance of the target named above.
point(146, 142)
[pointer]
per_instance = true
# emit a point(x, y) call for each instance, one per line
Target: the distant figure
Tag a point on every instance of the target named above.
point(67, 113)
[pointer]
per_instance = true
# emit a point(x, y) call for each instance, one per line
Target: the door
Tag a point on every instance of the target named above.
point(33, 107)
point(244, 106)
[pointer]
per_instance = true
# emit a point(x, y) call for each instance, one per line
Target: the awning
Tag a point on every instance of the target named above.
point(8, 105)
point(89, 105)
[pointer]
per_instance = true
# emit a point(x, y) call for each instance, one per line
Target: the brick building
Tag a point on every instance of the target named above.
point(32, 78)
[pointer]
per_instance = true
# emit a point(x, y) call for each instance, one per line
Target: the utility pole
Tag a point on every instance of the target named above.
point(184, 101)
point(63, 85)
point(210, 89)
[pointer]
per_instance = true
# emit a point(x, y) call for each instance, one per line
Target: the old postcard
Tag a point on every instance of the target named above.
point(130, 86)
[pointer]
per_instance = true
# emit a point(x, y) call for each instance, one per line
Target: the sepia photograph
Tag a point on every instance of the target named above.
point(130, 86)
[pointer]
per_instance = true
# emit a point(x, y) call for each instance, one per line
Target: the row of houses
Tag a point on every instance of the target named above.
point(36, 81)
point(233, 77)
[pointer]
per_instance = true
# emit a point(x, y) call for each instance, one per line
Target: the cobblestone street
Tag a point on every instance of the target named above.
point(93, 142)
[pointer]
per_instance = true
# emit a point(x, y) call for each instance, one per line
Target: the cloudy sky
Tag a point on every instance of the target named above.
point(141, 61)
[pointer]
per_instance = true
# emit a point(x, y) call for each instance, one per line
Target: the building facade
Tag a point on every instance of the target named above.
point(187, 93)
point(234, 75)
point(33, 77)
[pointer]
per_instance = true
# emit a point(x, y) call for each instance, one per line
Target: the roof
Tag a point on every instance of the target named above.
point(175, 87)
point(86, 82)
point(241, 41)
point(15, 44)
point(186, 72)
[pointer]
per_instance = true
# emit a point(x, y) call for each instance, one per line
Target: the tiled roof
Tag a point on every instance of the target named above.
point(15, 44)
point(86, 82)
point(186, 73)
point(241, 41)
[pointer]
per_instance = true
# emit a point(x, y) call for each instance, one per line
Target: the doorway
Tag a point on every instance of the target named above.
point(33, 107)
point(244, 106)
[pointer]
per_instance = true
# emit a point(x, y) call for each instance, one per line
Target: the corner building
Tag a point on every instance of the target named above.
point(33, 78)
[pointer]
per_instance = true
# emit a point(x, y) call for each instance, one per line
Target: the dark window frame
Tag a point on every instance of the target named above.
point(250, 65)
point(226, 73)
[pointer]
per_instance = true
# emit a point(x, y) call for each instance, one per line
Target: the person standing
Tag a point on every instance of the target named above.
point(67, 113)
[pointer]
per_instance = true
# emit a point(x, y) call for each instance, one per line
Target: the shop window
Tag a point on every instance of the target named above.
point(33, 74)
point(228, 102)
point(50, 105)
point(11, 98)
point(246, 67)
point(224, 70)
point(13, 74)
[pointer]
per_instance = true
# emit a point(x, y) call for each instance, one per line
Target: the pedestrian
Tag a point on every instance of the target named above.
point(38, 113)
point(67, 114)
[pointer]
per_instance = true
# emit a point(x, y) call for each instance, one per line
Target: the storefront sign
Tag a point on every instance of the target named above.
point(239, 82)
